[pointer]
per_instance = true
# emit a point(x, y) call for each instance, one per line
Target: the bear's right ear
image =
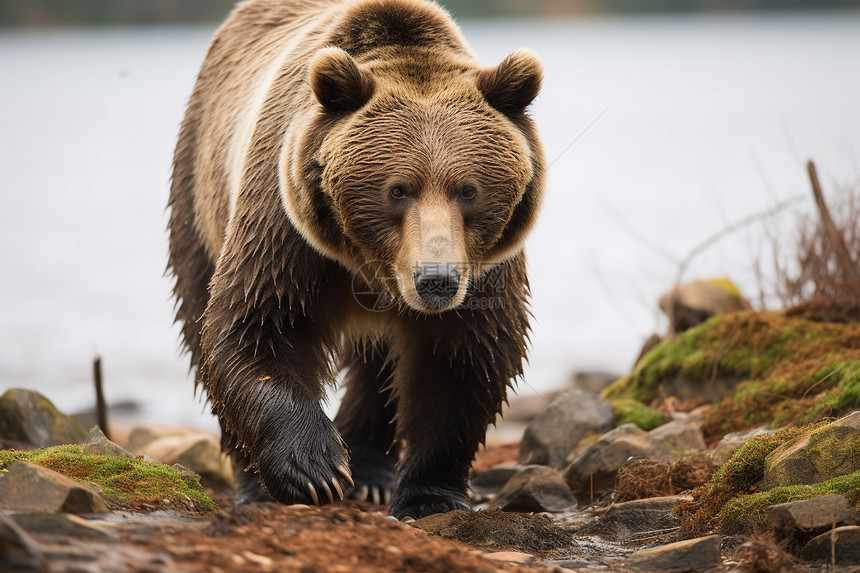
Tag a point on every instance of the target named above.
point(337, 81)
point(512, 85)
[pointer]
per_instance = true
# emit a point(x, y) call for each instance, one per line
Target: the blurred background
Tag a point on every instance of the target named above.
point(134, 12)
point(665, 122)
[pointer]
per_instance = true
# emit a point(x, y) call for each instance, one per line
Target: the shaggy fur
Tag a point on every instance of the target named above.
point(330, 147)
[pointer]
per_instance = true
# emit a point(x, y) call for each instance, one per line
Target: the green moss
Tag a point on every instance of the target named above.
point(787, 370)
point(632, 411)
point(748, 513)
point(129, 483)
point(738, 477)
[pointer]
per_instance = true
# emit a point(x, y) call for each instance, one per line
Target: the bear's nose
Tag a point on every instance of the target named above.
point(436, 283)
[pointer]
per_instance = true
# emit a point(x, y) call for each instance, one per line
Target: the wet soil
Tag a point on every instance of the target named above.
point(265, 537)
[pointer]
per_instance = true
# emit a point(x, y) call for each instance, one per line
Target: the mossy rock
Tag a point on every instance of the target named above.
point(736, 498)
point(748, 513)
point(817, 456)
point(630, 411)
point(133, 484)
point(739, 476)
point(757, 367)
point(29, 420)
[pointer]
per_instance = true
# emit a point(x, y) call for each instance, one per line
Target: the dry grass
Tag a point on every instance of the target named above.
point(641, 479)
point(819, 262)
point(761, 555)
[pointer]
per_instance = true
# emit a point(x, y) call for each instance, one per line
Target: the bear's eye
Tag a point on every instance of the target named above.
point(398, 191)
point(468, 192)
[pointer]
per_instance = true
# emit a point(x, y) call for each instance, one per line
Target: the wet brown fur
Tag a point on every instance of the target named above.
point(279, 197)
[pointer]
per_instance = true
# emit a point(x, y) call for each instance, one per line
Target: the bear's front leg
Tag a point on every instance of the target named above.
point(278, 426)
point(265, 365)
point(442, 415)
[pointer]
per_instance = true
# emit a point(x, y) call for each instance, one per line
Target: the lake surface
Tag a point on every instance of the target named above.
point(661, 132)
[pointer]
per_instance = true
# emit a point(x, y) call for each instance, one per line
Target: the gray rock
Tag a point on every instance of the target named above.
point(730, 443)
point(198, 451)
point(64, 552)
point(810, 516)
point(29, 488)
point(593, 381)
point(535, 489)
point(593, 473)
point(634, 520)
point(491, 482)
point(681, 435)
point(28, 420)
point(816, 456)
point(557, 430)
point(18, 551)
point(97, 443)
point(63, 524)
point(840, 546)
point(700, 554)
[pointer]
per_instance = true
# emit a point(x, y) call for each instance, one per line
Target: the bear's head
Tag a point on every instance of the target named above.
point(419, 167)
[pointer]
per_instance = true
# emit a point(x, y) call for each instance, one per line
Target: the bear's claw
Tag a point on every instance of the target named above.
point(375, 494)
point(304, 462)
point(337, 488)
point(345, 471)
point(327, 491)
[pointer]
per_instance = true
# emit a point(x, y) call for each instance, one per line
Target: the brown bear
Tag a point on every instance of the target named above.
point(333, 150)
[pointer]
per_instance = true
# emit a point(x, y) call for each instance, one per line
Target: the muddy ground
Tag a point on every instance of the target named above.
point(264, 537)
point(345, 537)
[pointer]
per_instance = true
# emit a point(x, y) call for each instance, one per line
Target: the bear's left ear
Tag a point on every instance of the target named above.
point(337, 81)
point(512, 85)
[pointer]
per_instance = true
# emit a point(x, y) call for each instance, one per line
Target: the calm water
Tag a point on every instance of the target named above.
point(661, 132)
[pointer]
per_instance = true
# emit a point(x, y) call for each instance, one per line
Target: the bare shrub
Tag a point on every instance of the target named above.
point(819, 265)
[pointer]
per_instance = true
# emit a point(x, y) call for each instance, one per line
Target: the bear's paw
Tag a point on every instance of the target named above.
point(307, 462)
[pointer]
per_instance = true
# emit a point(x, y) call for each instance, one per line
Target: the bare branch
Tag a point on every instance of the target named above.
point(849, 269)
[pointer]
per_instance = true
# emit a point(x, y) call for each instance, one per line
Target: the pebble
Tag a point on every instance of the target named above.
point(510, 557)
point(533, 490)
point(701, 554)
point(63, 524)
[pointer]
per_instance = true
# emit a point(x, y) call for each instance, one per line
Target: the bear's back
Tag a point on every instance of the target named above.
point(254, 81)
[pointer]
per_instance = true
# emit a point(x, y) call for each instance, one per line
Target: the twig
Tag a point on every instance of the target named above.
point(101, 407)
point(843, 257)
point(652, 537)
point(591, 485)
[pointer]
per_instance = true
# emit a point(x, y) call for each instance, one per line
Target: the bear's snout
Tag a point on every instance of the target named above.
point(437, 284)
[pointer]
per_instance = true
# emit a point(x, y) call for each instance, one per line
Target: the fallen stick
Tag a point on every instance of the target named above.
point(101, 406)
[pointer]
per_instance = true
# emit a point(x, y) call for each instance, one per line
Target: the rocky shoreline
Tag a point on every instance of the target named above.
point(636, 473)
